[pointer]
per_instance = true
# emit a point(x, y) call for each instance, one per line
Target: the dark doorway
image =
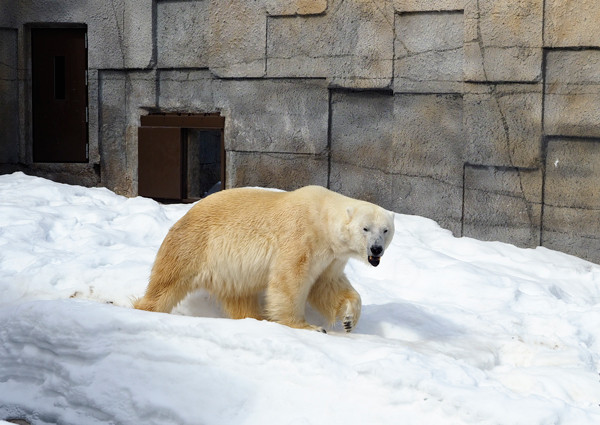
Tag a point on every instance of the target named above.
point(181, 156)
point(59, 94)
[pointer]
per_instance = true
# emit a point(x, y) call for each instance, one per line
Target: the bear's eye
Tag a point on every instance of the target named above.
point(366, 229)
point(384, 230)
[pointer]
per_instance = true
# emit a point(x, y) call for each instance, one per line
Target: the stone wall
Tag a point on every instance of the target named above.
point(483, 115)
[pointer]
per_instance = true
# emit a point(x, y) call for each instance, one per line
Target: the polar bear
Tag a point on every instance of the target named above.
point(264, 254)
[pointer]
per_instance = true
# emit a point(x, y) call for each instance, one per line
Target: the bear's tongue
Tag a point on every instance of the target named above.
point(374, 261)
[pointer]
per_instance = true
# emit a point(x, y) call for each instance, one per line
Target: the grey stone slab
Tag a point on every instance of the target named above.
point(503, 40)
point(295, 7)
point(288, 116)
point(182, 33)
point(572, 99)
point(236, 38)
point(503, 204)
point(571, 221)
point(351, 45)
point(574, 231)
point(429, 197)
point(572, 23)
point(573, 174)
point(363, 130)
point(275, 170)
point(429, 137)
point(503, 124)
point(189, 91)
point(428, 5)
point(429, 61)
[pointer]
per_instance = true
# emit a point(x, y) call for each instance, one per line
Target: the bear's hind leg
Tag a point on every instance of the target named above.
point(242, 306)
point(162, 297)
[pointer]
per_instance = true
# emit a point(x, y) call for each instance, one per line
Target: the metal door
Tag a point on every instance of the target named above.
point(59, 94)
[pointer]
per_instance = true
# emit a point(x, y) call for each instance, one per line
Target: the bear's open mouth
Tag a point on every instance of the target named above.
point(374, 261)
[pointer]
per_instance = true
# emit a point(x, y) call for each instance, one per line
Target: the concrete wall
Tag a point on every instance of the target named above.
point(483, 115)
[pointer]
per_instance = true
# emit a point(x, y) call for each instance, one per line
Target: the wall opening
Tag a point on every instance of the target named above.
point(59, 94)
point(181, 157)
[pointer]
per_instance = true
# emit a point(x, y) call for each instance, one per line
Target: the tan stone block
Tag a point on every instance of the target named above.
point(351, 45)
point(429, 61)
point(503, 204)
point(572, 23)
point(571, 230)
point(295, 7)
point(572, 100)
point(503, 40)
point(236, 38)
point(275, 170)
point(181, 39)
point(428, 137)
point(428, 5)
point(503, 124)
point(573, 173)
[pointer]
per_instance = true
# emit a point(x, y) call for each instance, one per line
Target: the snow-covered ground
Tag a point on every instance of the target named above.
point(453, 330)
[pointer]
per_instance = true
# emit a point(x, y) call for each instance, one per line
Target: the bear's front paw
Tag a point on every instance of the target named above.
point(348, 323)
point(351, 314)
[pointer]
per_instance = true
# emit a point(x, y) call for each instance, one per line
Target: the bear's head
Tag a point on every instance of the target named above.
point(371, 229)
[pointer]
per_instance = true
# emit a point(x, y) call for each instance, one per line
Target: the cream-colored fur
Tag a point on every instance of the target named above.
point(291, 246)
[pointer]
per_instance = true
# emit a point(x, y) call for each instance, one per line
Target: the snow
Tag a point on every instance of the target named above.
point(453, 330)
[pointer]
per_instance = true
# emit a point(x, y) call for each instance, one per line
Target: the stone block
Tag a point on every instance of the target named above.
point(181, 33)
point(295, 7)
point(286, 116)
point(275, 170)
point(119, 33)
point(573, 231)
point(190, 91)
point(571, 221)
point(124, 96)
point(236, 38)
point(428, 5)
point(573, 173)
point(503, 204)
point(351, 45)
point(363, 130)
point(429, 139)
point(503, 124)
point(429, 61)
point(503, 40)
point(572, 100)
point(9, 97)
point(572, 23)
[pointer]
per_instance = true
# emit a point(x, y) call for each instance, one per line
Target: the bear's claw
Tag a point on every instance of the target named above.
point(348, 325)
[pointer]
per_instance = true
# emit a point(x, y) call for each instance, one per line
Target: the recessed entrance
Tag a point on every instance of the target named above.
point(180, 156)
point(59, 94)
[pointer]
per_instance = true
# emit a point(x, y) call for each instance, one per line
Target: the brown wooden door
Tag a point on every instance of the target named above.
point(160, 162)
point(59, 94)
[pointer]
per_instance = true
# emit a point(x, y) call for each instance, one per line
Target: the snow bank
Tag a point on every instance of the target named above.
point(453, 331)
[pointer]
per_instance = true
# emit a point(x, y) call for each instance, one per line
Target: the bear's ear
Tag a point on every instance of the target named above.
point(349, 212)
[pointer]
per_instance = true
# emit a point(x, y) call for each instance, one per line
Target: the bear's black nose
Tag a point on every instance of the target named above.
point(376, 250)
